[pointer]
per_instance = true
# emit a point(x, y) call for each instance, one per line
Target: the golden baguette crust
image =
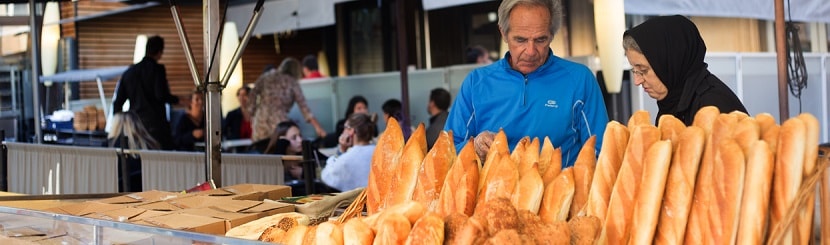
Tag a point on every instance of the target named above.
point(649, 198)
point(384, 162)
point(434, 171)
point(728, 180)
point(670, 129)
point(502, 181)
point(329, 233)
point(545, 157)
point(393, 229)
point(765, 122)
point(610, 158)
point(530, 156)
point(680, 186)
point(474, 231)
point(556, 202)
point(771, 137)
point(295, 235)
point(640, 117)
point(460, 186)
point(406, 172)
point(518, 153)
point(789, 170)
point(555, 166)
point(529, 190)
point(746, 133)
point(499, 146)
point(429, 229)
point(621, 203)
point(355, 232)
point(804, 221)
point(584, 166)
point(755, 202)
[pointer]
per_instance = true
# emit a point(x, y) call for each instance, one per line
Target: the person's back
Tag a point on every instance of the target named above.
point(145, 85)
point(439, 103)
point(350, 169)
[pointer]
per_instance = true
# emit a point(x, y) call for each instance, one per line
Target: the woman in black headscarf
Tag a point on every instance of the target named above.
point(666, 55)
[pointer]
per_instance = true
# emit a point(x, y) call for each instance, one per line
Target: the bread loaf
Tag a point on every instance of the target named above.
point(545, 158)
point(498, 214)
point(500, 147)
point(310, 235)
point(355, 232)
point(429, 229)
point(804, 221)
point(584, 230)
point(680, 185)
point(529, 190)
point(610, 158)
point(453, 223)
point(384, 161)
point(755, 202)
point(518, 152)
point(434, 170)
point(789, 170)
point(765, 121)
point(329, 233)
point(406, 172)
point(474, 231)
point(556, 202)
point(504, 177)
point(640, 117)
point(649, 199)
point(554, 167)
point(530, 157)
point(670, 129)
point(394, 229)
point(728, 182)
point(295, 235)
point(583, 167)
point(458, 195)
point(746, 133)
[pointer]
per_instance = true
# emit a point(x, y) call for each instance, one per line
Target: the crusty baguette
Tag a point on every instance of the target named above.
point(295, 235)
point(384, 161)
point(771, 137)
point(329, 233)
point(621, 203)
point(765, 121)
point(755, 203)
point(789, 170)
point(434, 170)
point(728, 182)
point(705, 118)
point(545, 157)
point(519, 150)
point(640, 117)
point(502, 180)
point(311, 235)
point(555, 166)
point(530, 157)
point(670, 128)
point(406, 172)
point(649, 199)
point(556, 202)
point(804, 221)
point(680, 185)
point(498, 146)
point(458, 194)
point(746, 133)
point(429, 229)
point(529, 190)
point(393, 229)
point(584, 167)
point(355, 232)
point(610, 158)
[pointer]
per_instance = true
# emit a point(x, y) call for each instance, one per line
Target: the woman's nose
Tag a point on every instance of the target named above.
point(638, 80)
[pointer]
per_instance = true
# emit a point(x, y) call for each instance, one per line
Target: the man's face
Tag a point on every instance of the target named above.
point(529, 37)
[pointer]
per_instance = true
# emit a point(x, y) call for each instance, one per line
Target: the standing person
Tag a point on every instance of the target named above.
point(237, 124)
point(439, 102)
point(145, 85)
point(311, 67)
point(530, 92)
point(349, 168)
point(191, 127)
point(127, 126)
point(273, 94)
point(666, 55)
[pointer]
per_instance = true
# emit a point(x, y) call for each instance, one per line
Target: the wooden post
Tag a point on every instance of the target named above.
point(781, 54)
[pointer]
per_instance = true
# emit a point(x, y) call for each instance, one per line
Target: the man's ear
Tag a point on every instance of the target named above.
point(503, 35)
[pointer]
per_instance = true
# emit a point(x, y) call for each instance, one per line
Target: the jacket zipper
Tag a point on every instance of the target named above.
point(524, 92)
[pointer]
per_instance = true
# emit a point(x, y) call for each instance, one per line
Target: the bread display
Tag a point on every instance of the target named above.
point(435, 169)
point(402, 184)
point(649, 199)
point(546, 161)
point(789, 167)
point(755, 202)
point(556, 201)
point(583, 174)
point(429, 229)
point(804, 221)
point(680, 185)
point(389, 146)
point(459, 193)
point(608, 165)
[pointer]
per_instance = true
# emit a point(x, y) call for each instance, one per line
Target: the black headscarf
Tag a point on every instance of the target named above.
point(674, 49)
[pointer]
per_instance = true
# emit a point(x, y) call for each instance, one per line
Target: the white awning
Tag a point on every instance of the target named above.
point(86, 75)
point(437, 4)
point(802, 10)
point(284, 15)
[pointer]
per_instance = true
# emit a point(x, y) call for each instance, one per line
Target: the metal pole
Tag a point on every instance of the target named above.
point(34, 28)
point(188, 53)
point(247, 37)
point(781, 55)
point(403, 60)
point(213, 99)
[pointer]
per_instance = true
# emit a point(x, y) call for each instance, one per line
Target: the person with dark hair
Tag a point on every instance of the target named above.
point(530, 91)
point(237, 124)
point(477, 55)
point(288, 140)
point(310, 67)
point(349, 168)
point(191, 127)
point(145, 85)
point(394, 108)
point(272, 97)
point(357, 104)
point(439, 103)
point(666, 55)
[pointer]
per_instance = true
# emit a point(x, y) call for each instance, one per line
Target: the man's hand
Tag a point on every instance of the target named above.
point(482, 143)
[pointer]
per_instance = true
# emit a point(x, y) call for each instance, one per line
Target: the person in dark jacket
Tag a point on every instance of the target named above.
point(145, 85)
point(439, 103)
point(191, 127)
point(666, 55)
point(237, 124)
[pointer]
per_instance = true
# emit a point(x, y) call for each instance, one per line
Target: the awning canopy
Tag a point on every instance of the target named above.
point(437, 4)
point(86, 75)
point(284, 15)
point(803, 10)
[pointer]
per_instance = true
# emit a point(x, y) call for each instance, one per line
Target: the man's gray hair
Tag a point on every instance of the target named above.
point(553, 6)
point(630, 44)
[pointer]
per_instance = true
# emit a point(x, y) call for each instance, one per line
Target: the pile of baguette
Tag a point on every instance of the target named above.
point(725, 180)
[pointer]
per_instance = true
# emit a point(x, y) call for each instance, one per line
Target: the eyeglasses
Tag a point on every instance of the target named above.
point(641, 73)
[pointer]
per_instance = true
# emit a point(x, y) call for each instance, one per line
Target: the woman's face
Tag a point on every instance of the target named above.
point(242, 96)
point(360, 107)
point(644, 76)
point(293, 135)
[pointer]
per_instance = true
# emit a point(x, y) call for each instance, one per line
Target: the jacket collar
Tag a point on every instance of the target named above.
point(504, 63)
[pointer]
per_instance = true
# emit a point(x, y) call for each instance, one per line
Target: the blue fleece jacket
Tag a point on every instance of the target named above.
point(561, 99)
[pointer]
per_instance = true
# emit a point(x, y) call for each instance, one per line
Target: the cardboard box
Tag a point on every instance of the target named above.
point(258, 192)
point(121, 215)
point(85, 208)
point(268, 208)
point(164, 206)
point(147, 214)
point(141, 197)
point(188, 222)
point(231, 219)
point(196, 201)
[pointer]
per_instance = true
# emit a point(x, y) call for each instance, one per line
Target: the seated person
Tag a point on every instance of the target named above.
point(191, 127)
point(128, 133)
point(357, 104)
point(287, 140)
point(393, 108)
point(349, 168)
point(237, 124)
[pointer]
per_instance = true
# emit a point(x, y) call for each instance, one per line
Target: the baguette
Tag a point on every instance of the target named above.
point(670, 129)
point(653, 183)
point(789, 170)
point(518, 152)
point(355, 232)
point(680, 186)
point(394, 229)
point(498, 146)
point(621, 204)
point(434, 170)
point(546, 157)
point(754, 206)
point(640, 117)
point(310, 235)
point(406, 172)
point(555, 167)
point(771, 137)
point(610, 158)
point(502, 180)
point(384, 161)
point(804, 220)
point(458, 194)
point(429, 229)
point(584, 167)
point(295, 235)
point(556, 202)
point(746, 133)
point(329, 233)
point(765, 121)
point(728, 180)
point(529, 190)
point(530, 157)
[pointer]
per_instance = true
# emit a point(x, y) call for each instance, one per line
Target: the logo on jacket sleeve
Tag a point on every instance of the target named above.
point(551, 104)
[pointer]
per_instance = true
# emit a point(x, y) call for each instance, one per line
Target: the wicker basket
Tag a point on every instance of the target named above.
point(355, 209)
point(806, 190)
